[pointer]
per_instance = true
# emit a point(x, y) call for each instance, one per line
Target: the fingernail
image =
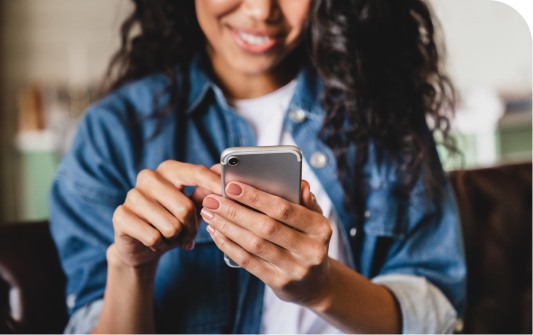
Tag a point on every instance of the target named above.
point(190, 246)
point(313, 197)
point(207, 214)
point(211, 203)
point(234, 189)
point(211, 230)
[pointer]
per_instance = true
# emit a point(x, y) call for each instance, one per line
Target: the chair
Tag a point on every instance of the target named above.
point(32, 284)
point(495, 205)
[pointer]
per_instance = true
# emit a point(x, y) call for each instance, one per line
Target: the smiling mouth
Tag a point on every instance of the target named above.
point(253, 39)
point(259, 42)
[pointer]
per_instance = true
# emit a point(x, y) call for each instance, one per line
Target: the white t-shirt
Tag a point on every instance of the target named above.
point(266, 114)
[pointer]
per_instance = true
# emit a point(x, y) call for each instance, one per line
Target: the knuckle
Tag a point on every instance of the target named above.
point(165, 165)
point(324, 230)
point(145, 175)
point(119, 212)
point(327, 232)
point(152, 239)
point(253, 198)
point(257, 246)
point(318, 256)
point(224, 226)
point(245, 261)
point(284, 211)
point(221, 243)
point(185, 209)
point(133, 196)
point(231, 212)
point(170, 229)
point(301, 273)
point(188, 206)
point(269, 229)
point(118, 216)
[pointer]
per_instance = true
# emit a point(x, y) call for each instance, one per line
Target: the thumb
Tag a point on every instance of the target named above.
point(309, 199)
point(217, 168)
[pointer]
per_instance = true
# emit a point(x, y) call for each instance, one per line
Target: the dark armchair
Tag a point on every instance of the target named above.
point(32, 284)
point(495, 206)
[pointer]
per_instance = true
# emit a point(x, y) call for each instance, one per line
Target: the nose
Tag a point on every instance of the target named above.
point(263, 10)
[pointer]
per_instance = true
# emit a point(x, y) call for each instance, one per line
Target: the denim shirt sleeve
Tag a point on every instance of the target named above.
point(85, 318)
point(88, 187)
point(424, 308)
point(414, 247)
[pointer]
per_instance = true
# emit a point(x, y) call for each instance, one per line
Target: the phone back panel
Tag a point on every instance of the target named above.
point(278, 173)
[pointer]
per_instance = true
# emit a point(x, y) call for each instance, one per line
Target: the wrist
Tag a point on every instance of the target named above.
point(145, 271)
point(321, 299)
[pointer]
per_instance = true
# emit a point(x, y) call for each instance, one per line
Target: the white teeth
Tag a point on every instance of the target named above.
point(252, 39)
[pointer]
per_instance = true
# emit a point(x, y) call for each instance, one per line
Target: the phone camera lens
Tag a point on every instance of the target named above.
point(233, 161)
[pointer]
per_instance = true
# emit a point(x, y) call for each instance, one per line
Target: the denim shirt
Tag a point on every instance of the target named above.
point(195, 291)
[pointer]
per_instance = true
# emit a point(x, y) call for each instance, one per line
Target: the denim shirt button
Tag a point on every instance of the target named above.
point(318, 160)
point(71, 300)
point(458, 325)
point(353, 231)
point(297, 116)
point(367, 214)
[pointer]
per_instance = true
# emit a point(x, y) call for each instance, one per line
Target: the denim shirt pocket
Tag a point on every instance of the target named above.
point(383, 215)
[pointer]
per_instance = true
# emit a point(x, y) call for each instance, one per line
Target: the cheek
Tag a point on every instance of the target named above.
point(215, 8)
point(209, 14)
point(295, 13)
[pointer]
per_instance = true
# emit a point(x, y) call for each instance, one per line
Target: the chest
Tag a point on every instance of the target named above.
point(196, 291)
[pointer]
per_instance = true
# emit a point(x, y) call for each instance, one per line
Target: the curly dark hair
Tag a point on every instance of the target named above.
point(378, 59)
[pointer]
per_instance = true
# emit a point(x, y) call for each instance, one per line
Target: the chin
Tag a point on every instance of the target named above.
point(252, 66)
point(253, 70)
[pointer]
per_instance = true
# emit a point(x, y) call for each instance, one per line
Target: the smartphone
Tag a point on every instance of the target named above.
point(272, 169)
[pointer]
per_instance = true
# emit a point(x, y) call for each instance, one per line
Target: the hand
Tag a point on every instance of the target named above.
point(157, 216)
point(286, 247)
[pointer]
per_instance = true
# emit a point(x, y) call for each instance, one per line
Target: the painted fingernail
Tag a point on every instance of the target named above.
point(190, 246)
point(211, 230)
point(207, 214)
point(234, 189)
point(211, 203)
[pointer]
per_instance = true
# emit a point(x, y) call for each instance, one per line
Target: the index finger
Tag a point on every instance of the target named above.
point(277, 208)
point(185, 174)
point(200, 193)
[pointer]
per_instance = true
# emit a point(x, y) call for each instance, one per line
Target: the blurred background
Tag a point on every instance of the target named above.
point(53, 55)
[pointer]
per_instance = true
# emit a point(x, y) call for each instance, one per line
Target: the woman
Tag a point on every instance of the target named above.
point(375, 246)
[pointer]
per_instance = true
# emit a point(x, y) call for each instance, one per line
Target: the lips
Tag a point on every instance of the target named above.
point(254, 41)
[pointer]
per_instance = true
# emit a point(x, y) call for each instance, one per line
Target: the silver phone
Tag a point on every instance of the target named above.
point(274, 169)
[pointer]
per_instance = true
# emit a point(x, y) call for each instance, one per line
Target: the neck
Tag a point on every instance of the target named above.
point(238, 85)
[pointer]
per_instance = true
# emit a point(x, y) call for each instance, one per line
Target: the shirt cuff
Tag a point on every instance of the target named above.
point(425, 309)
point(85, 318)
